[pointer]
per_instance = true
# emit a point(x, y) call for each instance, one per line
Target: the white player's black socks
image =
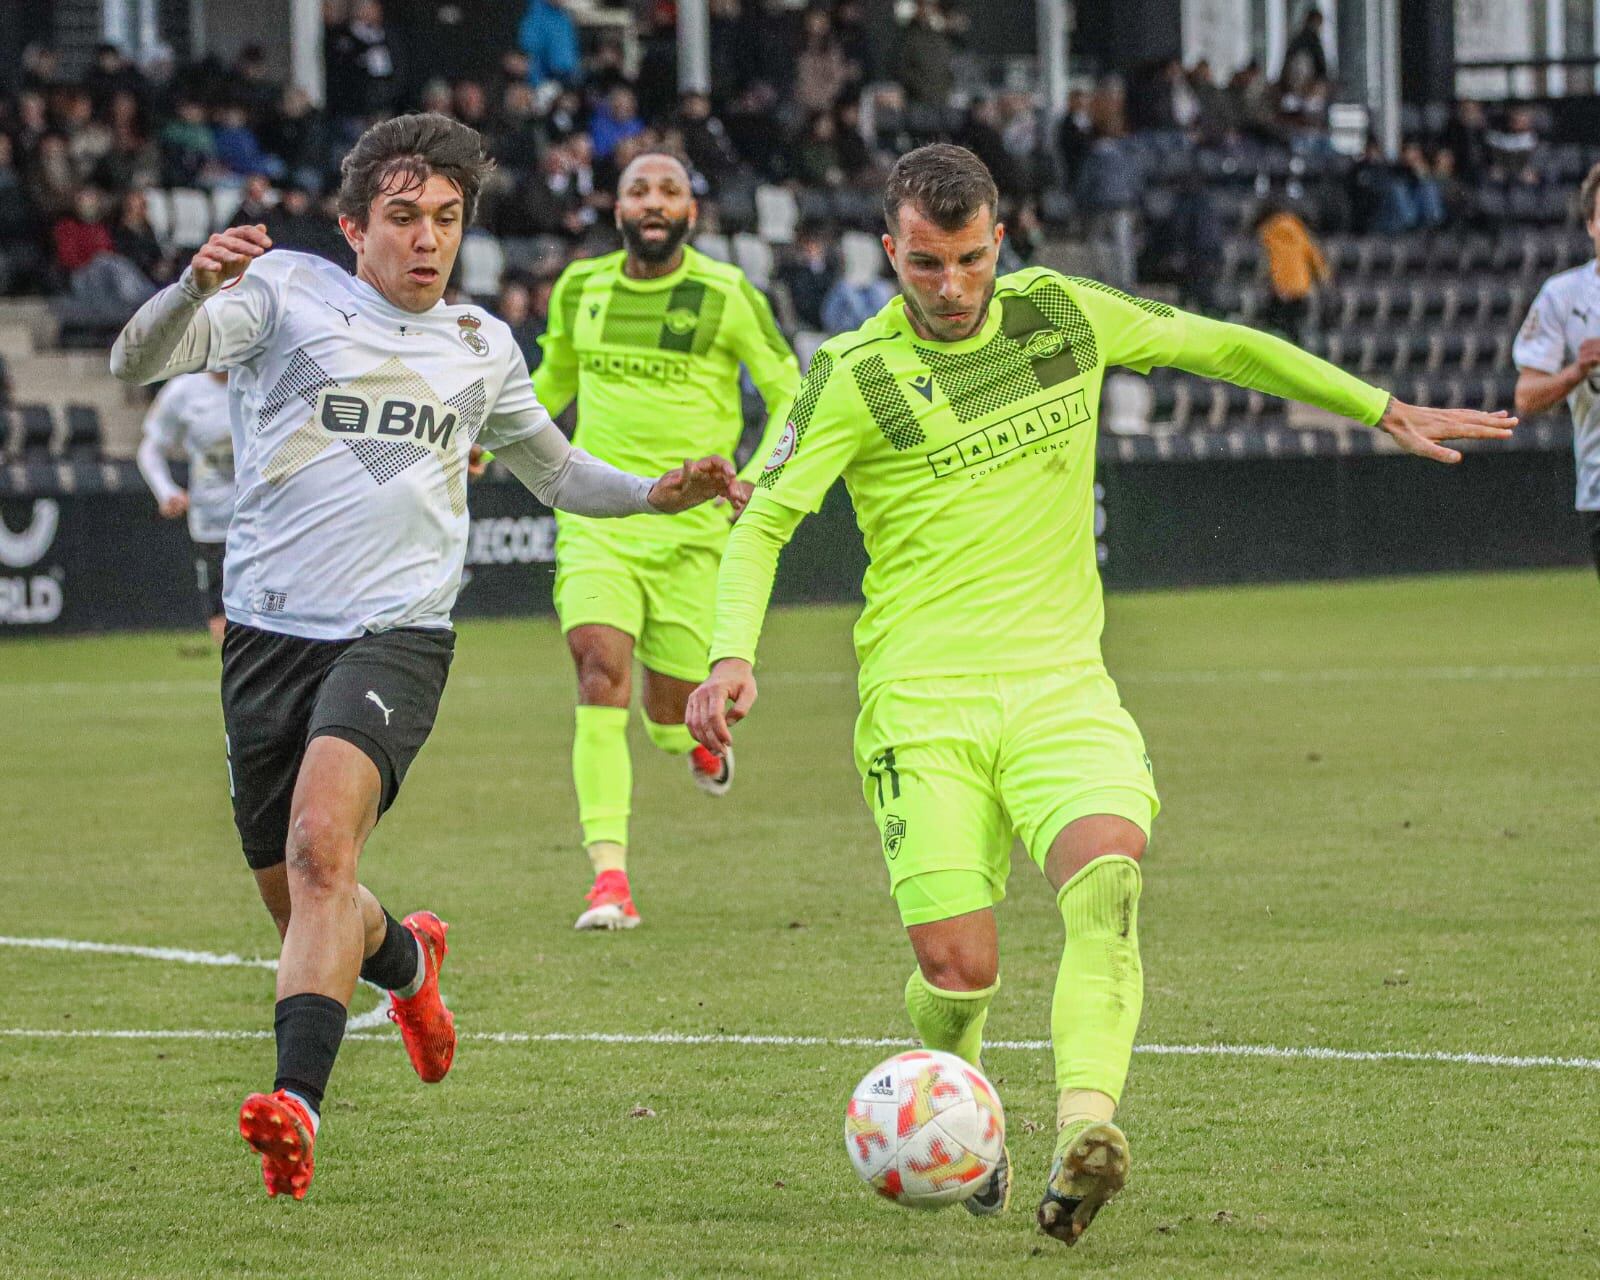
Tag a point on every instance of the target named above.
point(309, 1028)
point(397, 963)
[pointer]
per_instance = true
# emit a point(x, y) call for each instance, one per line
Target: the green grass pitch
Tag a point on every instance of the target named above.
point(1380, 833)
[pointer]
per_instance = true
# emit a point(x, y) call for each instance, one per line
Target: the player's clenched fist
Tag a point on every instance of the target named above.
point(226, 254)
point(692, 483)
point(708, 715)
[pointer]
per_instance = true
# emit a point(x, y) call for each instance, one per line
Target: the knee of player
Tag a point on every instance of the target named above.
point(321, 854)
point(960, 968)
point(602, 684)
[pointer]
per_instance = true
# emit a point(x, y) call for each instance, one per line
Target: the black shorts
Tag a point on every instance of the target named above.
point(379, 692)
point(1591, 526)
point(208, 575)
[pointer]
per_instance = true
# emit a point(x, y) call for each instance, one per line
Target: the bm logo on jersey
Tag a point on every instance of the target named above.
point(347, 414)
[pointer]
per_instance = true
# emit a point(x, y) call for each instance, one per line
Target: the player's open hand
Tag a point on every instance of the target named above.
point(1418, 429)
point(175, 506)
point(225, 256)
point(691, 484)
point(709, 716)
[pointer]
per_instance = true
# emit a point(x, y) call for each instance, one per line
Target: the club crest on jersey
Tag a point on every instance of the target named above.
point(784, 449)
point(680, 320)
point(894, 835)
point(1044, 344)
point(468, 329)
point(348, 414)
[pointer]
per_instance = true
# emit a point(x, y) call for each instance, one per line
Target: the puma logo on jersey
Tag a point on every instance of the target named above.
point(347, 413)
point(376, 700)
point(348, 315)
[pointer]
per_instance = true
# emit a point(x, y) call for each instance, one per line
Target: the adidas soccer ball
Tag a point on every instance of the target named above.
point(924, 1129)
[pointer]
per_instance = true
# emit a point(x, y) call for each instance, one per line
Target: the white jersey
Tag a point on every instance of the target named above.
point(191, 417)
point(1566, 312)
point(352, 422)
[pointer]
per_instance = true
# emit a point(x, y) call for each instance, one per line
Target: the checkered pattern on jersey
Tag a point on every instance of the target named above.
point(1144, 304)
point(805, 404)
point(303, 379)
point(887, 401)
point(1065, 314)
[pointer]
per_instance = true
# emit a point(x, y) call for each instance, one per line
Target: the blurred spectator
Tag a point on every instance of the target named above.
point(980, 134)
point(515, 307)
point(657, 82)
point(1074, 134)
point(88, 140)
point(1250, 104)
point(850, 28)
point(808, 274)
point(861, 291)
point(821, 71)
point(110, 74)
point(705, 141)
point(550, 40)
point(816, 159)
point(41, 67)
point(615, 119)
point(297, 133)
point(1211, 101)
point(133, 160)
point(79, 236)
point(20, 258)
point(1109, 188)
point(52, 181)
point(925, 68)
point(1512, 149)
point(188, 148)
point(1306, 58)
point(1424, 199)
point(1196, 240)
point(256, 202)
point(750, 126)
point(1295, 267)
point(1467, 137)
point(251, 84)
point(856, 158)
point(135, 239)
point(470, 105)
point(516, 136)
point(33, 122)
point(364, 74)
point(237, 148)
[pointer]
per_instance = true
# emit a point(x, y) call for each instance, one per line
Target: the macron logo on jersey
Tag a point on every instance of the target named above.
point(347, 413)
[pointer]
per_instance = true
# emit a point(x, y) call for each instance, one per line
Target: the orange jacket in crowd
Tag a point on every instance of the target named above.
point(1294, 262)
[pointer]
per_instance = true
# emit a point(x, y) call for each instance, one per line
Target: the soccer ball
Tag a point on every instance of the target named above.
point(924, 1129)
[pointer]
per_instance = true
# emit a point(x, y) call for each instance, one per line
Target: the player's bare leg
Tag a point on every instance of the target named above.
point(957, 974)
point(665, 699)
point(1093, 865)
point(602, 770)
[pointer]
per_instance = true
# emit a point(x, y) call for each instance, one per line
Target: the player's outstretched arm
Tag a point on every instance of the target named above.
point(568, 479)
point(691, 484)
point(1538, 390)
point(171, 334)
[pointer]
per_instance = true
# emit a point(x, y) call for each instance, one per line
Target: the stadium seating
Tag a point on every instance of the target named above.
point(84, 438)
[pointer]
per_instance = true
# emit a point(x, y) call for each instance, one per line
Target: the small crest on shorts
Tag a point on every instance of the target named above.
point(468, 326)
point(894, 834)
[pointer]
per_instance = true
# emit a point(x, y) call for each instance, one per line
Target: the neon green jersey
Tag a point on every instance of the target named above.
point(654, 366)
point(971, 468)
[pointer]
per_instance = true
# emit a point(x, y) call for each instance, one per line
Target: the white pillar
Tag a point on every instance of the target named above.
point(305, 47)
point(117, 23)
point(694, 47)
point(1277, 20)
point(1555, 46)
point(1052, 41)
point(1387, 36)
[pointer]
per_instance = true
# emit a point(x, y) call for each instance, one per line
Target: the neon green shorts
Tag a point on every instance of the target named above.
point(955, 768)
point(664, 596)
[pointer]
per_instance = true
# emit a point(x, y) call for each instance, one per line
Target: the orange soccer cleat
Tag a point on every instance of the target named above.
point(610, 903)
point(426, 1026)
point(279, 1127)
point(712, 773)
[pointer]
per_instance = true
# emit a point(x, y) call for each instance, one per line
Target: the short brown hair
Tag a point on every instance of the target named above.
point(944, 182)
point(398, 154)
point(1586, 193)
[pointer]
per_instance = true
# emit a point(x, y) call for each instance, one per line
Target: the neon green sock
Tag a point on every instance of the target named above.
point(602, 772)
point(1100, 988)
point(674, 739)
point(951, 1021)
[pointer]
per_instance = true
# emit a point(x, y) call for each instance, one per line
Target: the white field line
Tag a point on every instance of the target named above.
point(359, 1027)
point(782, 679)
point(1311, 1053)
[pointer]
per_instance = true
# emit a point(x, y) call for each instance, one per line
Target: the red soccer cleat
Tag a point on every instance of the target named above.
point(279, 1127)
point(610, 903)
point(712, 773)
point(426, 1026)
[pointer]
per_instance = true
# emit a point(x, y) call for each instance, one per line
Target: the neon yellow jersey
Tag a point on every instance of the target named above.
point(971, 468)
point(654, 366)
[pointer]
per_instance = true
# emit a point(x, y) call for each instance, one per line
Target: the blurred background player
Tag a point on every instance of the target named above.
point(1557, 352)
point(649, 341)
point(190, 417)
point(358, 400)
point(963, 418)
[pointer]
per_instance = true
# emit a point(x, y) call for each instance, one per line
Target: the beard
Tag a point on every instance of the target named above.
point(654, 251)
point(940, 329)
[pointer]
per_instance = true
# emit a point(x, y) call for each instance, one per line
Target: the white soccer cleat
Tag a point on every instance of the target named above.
point(712, 773)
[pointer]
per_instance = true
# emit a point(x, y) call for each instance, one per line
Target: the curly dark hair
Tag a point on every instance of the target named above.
point(399, 154)
point(946, 183)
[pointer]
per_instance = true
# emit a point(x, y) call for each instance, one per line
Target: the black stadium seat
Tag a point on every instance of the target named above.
point(38, 429)
point(85, 438)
